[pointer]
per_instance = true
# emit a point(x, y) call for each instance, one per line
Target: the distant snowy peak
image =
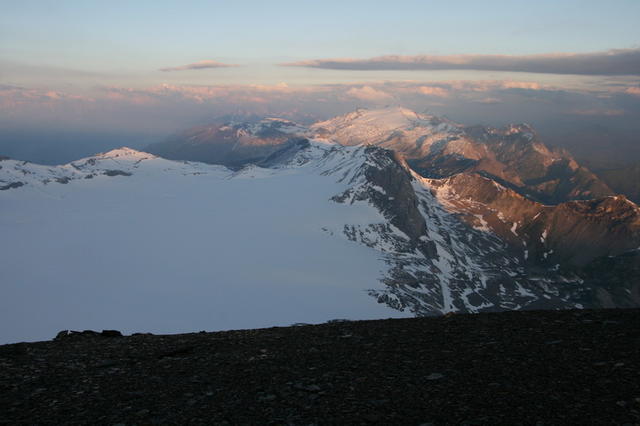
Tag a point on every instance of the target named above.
point(326, 158)
point(15, 174)
point(125, 153)
point(365, 126)
point(123, 157)
point(118, 162)
point(418, 135)
point(389, 117)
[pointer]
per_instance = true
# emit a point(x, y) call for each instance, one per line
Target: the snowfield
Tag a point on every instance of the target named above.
point(179, 247)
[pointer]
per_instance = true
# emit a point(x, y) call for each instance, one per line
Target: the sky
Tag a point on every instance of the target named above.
point(145, 69)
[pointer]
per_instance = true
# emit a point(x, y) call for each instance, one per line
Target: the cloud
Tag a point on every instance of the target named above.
point(633, 91)
point(488, 101)
point(517, 99)
point(213, 94)
point(599, 112)
point(368, 93)
point(611, 62)
point(471, 86)
point(433, 91)
point(162, 109)
point(13, 97)
point(201, 65)
point(527, 85)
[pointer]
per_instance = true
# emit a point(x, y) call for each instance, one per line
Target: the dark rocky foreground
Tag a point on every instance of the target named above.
point(567, 367)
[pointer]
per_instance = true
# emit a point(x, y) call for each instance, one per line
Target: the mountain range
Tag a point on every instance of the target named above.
point(374, 213)
point(433, 146)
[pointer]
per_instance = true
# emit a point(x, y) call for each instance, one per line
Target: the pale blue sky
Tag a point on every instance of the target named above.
point(142, 36)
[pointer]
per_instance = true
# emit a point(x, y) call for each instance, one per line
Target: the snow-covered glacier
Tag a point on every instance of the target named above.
point(142, 244)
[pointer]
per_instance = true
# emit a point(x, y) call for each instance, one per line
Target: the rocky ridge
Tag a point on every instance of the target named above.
point(553, 367)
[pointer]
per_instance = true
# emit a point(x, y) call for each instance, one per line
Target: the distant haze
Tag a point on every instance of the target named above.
point(599, 124)
point(81, 77)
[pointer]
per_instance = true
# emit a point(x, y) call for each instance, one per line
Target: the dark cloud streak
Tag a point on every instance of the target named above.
point(201, 65)
point(611, 62)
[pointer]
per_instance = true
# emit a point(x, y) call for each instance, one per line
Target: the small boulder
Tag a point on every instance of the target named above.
point(62, 334)
point(116, 173)
point(65, 334)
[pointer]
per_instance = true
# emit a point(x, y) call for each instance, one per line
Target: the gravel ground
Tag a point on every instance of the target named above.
point(553, 367)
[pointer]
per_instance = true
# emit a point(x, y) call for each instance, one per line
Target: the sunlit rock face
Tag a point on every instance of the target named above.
point(436, 147)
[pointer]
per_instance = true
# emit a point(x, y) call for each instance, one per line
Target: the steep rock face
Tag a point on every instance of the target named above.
point(437, 262)
point(389, 189)
point(570, 234)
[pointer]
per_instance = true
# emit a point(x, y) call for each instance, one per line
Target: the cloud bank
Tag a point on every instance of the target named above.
point(170, 107)
point(368, 93)
point(633, 91)
point(150, 113)
point(201, 65)
point(611, 62)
